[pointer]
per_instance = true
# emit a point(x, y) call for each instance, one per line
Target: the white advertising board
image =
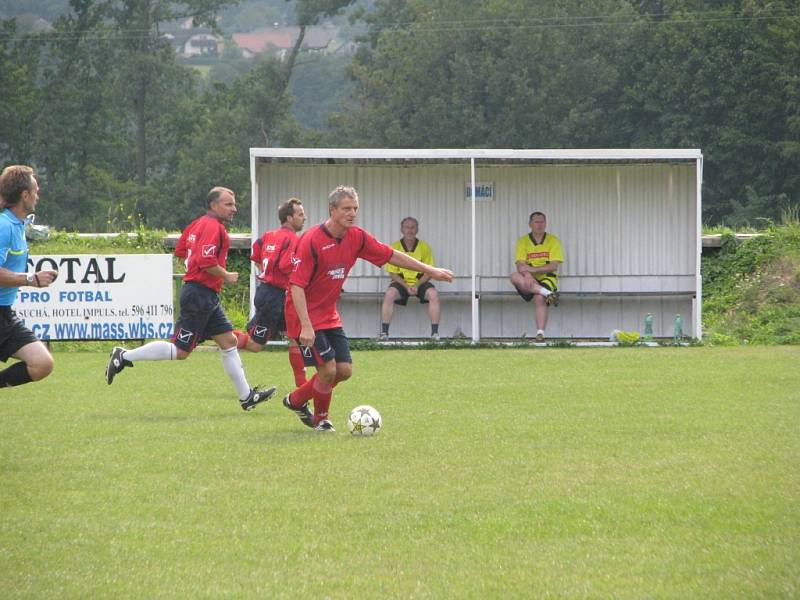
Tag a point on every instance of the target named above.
point(119, 297)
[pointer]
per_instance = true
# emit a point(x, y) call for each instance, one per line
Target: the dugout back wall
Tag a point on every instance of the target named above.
point(629, 225)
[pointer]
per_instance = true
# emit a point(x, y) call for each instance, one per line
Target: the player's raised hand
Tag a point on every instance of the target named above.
point(441, 274)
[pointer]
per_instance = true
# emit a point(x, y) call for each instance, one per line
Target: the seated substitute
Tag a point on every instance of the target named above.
point(406, 283)
point(538, 256)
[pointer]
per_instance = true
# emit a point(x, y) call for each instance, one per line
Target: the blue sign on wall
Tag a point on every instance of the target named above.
point(484, 192)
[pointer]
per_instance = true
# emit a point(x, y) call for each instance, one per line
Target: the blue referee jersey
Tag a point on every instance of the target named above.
point(13, 252)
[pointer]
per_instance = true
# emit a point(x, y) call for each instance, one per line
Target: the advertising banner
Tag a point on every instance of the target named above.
point(120, 297)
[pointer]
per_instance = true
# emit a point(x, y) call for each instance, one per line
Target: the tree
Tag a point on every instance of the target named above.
point(18, 70)
point(150, 61)
point(720, 76)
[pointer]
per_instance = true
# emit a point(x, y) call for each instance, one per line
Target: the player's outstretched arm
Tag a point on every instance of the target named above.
point(399, 259)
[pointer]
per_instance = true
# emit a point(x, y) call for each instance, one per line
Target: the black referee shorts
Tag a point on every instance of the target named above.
point(13, 334)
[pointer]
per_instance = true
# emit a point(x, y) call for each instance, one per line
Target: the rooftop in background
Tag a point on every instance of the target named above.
point(326, 155)
point(272, 39)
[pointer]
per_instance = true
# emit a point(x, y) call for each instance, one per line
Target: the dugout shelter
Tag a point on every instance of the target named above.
point(629, 222)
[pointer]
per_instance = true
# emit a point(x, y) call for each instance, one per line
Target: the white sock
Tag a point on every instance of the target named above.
point(540, 332)
point(545, 292)
point(232, 363)
point(153, 351)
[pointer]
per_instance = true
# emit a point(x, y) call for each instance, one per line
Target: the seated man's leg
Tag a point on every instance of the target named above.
point(524, 284)
point(431, 298)
point(540, 311)
point(395, 294)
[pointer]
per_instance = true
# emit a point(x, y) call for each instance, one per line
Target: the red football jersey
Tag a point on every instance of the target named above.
point(203, 244)
point(273, 252)
point(322, 263)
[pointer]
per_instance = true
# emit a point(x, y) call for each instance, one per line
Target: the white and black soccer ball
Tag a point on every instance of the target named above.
point(364, 420)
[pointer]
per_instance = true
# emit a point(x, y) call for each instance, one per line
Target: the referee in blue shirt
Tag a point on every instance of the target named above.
point(19, 193)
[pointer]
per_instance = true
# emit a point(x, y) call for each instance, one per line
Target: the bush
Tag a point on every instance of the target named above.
point(751, 290)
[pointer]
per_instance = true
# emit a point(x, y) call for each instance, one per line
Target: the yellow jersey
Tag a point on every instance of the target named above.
point(538, 255)
point(421, 251)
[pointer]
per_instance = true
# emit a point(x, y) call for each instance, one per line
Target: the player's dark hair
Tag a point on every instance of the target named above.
point(340, 193)
point(14, 180)
point(215, 193)
point(536, 213)
point(286, 209)
point(403, 222)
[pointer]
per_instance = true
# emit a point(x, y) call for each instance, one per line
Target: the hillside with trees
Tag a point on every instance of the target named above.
point(124, 133)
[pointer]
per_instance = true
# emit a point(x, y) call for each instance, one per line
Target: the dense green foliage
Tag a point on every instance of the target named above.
point(601, 74)
point(630, 473)
point(123, 133)
point(751, 290)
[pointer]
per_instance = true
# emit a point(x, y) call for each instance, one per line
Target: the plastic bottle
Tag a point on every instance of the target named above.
point(678, 329)
point(648, 326)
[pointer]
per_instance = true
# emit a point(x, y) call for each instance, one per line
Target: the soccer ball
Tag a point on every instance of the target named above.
point(364, 420)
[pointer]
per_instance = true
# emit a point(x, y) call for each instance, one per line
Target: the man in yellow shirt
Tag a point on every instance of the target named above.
point(407, 283)
point(538, 256)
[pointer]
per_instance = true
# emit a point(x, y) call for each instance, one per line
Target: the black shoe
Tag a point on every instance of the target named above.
point(116, 363)
point(256, 396)
point(302, 412)
point(552, 299)
point(324, 425)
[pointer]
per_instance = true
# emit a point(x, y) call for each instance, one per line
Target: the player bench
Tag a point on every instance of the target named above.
point(490, 286)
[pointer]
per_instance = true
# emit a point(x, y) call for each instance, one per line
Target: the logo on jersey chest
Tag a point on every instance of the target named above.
point(210, 250)
point(532, 255)
point(270, 247)
point(336, 273)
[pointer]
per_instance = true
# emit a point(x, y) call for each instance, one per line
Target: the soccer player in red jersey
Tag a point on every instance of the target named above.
point(204, 244)
point(324, 256)
point(273, 253)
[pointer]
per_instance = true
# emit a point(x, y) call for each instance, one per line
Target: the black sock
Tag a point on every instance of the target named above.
point(384, 328)
point(16, 374)
point(434, 328)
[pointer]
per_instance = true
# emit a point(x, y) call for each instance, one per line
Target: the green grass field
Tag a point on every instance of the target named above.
point(563, 473)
